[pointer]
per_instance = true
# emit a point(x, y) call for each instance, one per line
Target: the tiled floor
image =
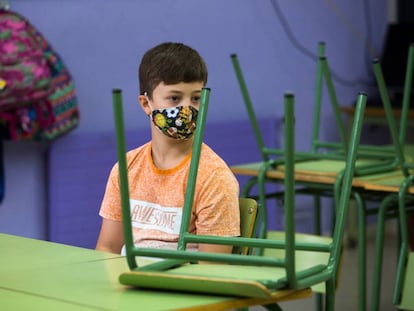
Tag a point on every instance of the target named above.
point(347, 294)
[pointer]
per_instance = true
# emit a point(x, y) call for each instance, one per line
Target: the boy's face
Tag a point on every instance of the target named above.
point(166, 96)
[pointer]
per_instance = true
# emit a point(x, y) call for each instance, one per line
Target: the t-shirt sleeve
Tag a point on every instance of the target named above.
point(217, 212)
point(111, 202)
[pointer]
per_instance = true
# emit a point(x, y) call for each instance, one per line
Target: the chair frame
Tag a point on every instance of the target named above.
point(295, 280)
point(383, 158)
point(387, 158)
point(395, 205)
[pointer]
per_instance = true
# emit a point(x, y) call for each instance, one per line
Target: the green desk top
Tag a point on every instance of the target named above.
point(17, 301)
point(94, 284)
point(325, 171)
point(322, 167)
point(87, 279)
point(21, 253)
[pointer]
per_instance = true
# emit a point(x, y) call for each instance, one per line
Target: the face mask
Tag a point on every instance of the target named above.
point(177, 122)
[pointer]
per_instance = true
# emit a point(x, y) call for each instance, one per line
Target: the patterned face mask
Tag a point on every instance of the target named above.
point(177, 122)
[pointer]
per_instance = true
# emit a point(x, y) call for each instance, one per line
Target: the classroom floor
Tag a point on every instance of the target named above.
point(347, 294)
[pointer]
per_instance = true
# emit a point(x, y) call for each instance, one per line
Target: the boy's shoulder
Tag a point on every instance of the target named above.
point(139, 149)
point(213, 167)
point(210, 158)
point(137, 152)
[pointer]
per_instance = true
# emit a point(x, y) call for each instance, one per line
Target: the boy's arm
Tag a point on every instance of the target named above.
point(215, 248)
point(111, 237)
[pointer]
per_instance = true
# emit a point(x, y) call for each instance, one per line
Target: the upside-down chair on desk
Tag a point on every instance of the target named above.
point(398, 197)
point(326, 157)
point(265, 280)
point(270, 153)
point(321, 164)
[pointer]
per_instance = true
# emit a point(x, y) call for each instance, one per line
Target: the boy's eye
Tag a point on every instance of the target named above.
point(195, 99)
point(174, 99)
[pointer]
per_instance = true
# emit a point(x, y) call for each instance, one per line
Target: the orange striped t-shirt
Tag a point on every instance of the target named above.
point(157, 198)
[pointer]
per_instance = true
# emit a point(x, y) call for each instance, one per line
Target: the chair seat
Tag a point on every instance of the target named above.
point(218, 279)
point(407, 299)
point(304, 259)
point(326, 167)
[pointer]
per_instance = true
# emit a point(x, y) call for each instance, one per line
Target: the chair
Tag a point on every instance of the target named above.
point(318, 150)
point(248, 216)
point(247, 276)
point(270, 153)
point(371, 160)
point(404, 286)
point(399, 202)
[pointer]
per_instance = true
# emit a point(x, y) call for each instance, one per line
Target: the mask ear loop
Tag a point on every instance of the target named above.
point(149, 104)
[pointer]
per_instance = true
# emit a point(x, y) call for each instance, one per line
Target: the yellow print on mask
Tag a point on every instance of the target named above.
point(186, 114)
point(160, 120)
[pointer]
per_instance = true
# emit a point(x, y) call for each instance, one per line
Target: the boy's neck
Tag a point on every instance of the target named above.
point(166, 155)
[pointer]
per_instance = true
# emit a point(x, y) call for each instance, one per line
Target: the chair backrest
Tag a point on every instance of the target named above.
point(322, 74)
point(248, 216)
point(249, 106)
point(385, 158)
point(398, 139)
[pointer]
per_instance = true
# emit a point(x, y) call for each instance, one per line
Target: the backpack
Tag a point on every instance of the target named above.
point(37, 94)
point(38, 100)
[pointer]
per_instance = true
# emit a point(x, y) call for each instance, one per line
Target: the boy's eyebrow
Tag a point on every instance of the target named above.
point(181, 92)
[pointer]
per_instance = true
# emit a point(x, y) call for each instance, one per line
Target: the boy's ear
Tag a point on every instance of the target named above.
point(143, 101)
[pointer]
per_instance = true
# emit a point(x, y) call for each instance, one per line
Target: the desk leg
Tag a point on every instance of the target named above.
point(352, 230)
point(362, 254)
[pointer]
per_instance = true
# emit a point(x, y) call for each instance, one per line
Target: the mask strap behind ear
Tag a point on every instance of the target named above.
point(149, 102)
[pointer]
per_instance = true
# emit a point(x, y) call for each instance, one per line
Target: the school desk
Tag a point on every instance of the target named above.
point(375, 115)
point(40, 275)
point(321, 174)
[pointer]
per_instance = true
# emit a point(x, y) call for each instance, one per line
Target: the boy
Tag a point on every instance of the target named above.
point(171, 77)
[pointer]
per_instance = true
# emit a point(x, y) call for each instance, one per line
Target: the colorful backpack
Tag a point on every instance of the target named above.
point(37, 94)
point(38, 100)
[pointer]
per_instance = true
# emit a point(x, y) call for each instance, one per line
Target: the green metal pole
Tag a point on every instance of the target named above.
point(407, 93)
point(389, 115)
point(249, 106)
point(289, 183)
point(334, 103)
point(318, 97)
point(192, 175)
point(123, 175)
point(347, 180)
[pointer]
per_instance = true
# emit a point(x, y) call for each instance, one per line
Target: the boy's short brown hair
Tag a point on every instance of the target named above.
point(170, 63)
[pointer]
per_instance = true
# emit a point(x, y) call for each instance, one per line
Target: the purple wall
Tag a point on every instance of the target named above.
point(103, 41)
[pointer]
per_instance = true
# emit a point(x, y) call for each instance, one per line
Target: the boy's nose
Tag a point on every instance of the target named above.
point(188, 102)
